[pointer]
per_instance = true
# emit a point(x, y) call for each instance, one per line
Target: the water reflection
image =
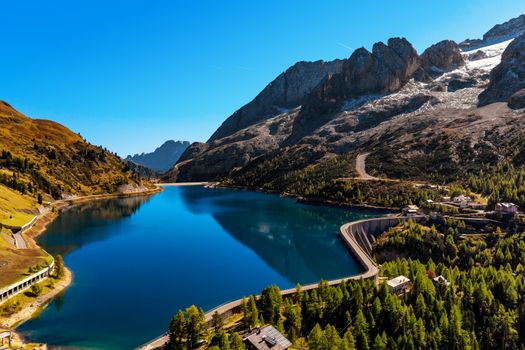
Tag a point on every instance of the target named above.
point(63, 234)
point(299, 241)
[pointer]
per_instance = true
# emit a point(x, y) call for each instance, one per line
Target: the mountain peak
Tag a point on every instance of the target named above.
point(499, 33)
point(164, 156)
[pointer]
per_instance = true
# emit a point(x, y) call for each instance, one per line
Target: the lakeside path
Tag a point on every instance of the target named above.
point(38, 228)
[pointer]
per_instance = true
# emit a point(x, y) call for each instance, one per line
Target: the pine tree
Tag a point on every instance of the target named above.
point(316, 338)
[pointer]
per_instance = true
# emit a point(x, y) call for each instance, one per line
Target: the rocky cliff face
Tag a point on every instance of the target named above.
point(441, 57)
point(287, 91)
point(388, 100)
point(508, 30)
point(508, 78)
point(384, 70)
point(500, 32)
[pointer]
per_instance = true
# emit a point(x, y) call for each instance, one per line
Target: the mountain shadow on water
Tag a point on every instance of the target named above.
point(65, 236)
point(299, 241)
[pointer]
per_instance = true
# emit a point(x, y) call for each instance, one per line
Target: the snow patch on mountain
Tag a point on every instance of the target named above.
point(491, 56)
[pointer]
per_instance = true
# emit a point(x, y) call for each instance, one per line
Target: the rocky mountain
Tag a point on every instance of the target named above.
point(452, 107)
point(163, 158)
point(507, 80)
point(287, 91)
point(43, 157)
point(500, 32)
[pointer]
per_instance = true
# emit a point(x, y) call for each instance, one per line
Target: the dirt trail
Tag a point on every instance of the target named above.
point(360, 167)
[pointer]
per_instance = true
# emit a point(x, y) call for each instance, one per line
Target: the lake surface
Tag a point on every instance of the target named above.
point(137, 260)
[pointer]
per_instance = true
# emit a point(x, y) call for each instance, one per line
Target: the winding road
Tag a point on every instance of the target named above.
point(19, 241)
point(360, 167)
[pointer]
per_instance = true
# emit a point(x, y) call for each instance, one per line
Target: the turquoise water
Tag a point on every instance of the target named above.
point(136, 261)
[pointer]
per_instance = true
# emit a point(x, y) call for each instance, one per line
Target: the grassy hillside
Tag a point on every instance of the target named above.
point(16, 209)
point(16, 264)
point(41, 160)
point(41, 156)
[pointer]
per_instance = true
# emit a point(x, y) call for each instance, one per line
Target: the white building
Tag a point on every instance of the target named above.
point(462, 200)
point(440, 280)
point(411, 210)
point(507, 208)
point(398, 284)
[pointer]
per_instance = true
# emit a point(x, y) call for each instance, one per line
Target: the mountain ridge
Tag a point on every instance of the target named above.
point(374, 92)
point(163, 157)
point(42, 156)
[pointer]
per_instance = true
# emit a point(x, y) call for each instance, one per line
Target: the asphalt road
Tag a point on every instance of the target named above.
point(19, 240)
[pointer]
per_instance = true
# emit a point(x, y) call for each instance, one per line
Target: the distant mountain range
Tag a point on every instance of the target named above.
point(163, 158)
point(429, 115)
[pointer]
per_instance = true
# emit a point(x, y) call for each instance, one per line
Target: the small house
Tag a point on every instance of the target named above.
point(266, 338)
point(462, 201)
point(398, 285)
point(446, 199)
point(411, 210)
point(461, 198)
point(441, 281)
point(506, 208)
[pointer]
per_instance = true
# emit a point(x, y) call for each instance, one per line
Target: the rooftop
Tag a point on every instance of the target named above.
point(507, 205)
point(267, 338)
point(399, 280)
point(441, 280)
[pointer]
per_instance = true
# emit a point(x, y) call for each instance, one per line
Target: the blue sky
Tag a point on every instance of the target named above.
point(131, 74)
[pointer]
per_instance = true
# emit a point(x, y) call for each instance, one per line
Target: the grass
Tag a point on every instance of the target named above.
point(17, 302)
point(15, 263)
point(16, 209)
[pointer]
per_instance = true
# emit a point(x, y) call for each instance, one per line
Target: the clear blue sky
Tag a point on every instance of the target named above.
point(131, 74)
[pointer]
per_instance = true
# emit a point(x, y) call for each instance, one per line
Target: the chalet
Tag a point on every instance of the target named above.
point(398, 285)
point(506, 208)
point(411, 210)
point(462, 201)
point(266, 338)
point(461, 198)
point(441, 281)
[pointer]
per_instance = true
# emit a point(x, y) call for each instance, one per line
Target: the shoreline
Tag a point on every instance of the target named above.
point(313, 200)
point(369, 270)
point(39, 227)
point(40, 303)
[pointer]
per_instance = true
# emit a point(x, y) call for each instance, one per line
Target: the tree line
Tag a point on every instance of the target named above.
point(482, 308)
